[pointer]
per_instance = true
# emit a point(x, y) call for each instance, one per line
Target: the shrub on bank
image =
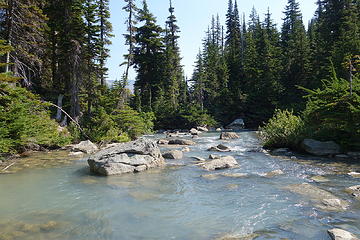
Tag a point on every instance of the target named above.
point(24, 120)
point(332, 113)
point(284, 129)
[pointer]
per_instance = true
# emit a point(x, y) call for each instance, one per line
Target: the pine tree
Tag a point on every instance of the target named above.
point(173, 73)
point(103, 14)
point(23, 27)
point(148, 59)
point(296, 52)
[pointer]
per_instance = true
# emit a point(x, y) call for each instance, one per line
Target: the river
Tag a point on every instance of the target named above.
point(66, 202)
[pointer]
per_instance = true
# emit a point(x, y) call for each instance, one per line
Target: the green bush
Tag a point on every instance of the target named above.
point(100, 127)
point(284, 129)
point(24, 120)
point(133, 123)
point(333, 114)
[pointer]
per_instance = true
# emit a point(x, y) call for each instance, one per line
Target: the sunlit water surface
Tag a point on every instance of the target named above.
point(66, 202)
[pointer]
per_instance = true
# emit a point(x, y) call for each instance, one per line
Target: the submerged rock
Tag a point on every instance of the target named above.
point(273, 173)
point(136, 156)
point(219, 148)
point(320, 148)
point(85, 146)
point(228, 136)
point(324, 200)
point(175, 154)
point(238, 237)
point(220, 163)
point(186, 149)
point(354, 191)
point(181, 142)
point(319, 179)
point(340, 234)
point(200, 159)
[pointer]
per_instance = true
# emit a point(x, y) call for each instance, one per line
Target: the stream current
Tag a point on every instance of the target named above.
point(67, 203)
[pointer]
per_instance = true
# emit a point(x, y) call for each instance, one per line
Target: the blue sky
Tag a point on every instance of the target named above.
point(193, 19)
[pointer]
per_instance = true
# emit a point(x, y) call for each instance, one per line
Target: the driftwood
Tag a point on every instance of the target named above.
point(76, 123)
point(6, 168)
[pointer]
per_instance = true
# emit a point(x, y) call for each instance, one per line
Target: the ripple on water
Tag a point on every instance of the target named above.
point(176, 203)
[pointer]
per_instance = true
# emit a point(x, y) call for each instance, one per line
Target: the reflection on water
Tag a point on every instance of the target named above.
point(175, 203)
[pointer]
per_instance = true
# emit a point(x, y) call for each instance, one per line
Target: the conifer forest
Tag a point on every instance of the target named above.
point(292, 81)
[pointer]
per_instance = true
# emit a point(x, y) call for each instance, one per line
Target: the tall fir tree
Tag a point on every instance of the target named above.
point(148, 58)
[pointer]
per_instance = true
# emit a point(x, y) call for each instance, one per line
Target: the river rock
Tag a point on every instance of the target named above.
point(181, 142)
point(199, 159)
point(193, 132)
point(320, 148)
point(238, 237)
point(220, 148)
point(273, 173)
point(213, 156)
point(319, 179)
point(237, 124)
point(220, 163)
point(85, 146)
point(185, 149)
point(228, 136)
point(218, 130)
point(130, 157)
point(354, 174)
point(202, 129)
point(162, 141)
point(354, 191)
point(324, 200)
point(280, 151)
point(175, 154)
point(234, 175)
point(340, 234)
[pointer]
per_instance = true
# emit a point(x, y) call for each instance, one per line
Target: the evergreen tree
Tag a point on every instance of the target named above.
point(295, 52)
point(148, 56)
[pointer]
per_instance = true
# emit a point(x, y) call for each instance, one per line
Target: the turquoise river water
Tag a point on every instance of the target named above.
point(67, 203)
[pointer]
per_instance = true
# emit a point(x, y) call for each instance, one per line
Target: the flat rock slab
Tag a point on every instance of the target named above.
point(220, 163)
point(340, 234)
point(324, 200)
point(85, 146)
point(181, 142)
point(131, 157)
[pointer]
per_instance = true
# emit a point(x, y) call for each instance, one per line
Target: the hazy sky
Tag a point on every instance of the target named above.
point(193, 19)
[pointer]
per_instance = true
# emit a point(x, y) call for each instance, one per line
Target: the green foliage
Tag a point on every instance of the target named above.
point(284, 129)
point(131, 122)
point(333, 114)
point(24, 120)
point(194, 117)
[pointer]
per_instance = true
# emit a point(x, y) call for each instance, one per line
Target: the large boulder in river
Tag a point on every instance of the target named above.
point(85, 146)
point(220, 163)
point(228, 136)
point(194, 131)
point(175, 154)
point(131, 157)
point(181, 142)
point(320, 148)
point(339, 234)
point(237, 124)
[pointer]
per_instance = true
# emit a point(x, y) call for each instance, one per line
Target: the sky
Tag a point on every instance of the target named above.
point(193, 18)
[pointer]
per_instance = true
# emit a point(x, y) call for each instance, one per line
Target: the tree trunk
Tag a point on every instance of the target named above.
point(59, 104)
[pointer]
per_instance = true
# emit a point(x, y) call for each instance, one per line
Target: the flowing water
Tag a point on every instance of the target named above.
point(66, 202)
